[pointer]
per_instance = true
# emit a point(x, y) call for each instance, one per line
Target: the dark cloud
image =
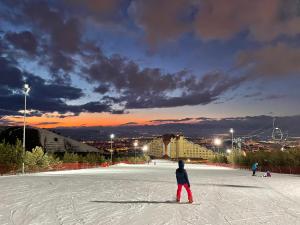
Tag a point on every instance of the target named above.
point(167, 23)
point(151, 87)
point(104, 11)
point(11, 76)
point(102, 88)
point(171, 120)
point(272, 97)
point(263, 20)
point(59, 34)
point(202, 92)
point(277, 60)
point(255, 94)
point(129, 124)
point(47, 123)
point(9, 122)
point(53, 33)
point(64, 32)
point(24, 40)
point(44, 97)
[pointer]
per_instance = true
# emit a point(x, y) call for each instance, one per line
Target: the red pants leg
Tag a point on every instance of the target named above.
point(179, 187)
point(189, 192)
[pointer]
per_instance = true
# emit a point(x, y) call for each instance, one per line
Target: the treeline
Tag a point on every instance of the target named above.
point(11, 158)
point(97, 158)
point(288, 158)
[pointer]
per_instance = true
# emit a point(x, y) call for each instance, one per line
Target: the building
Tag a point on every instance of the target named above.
point(51, 142)
point(177, 147)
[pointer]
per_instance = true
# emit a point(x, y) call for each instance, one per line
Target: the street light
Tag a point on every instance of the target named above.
point(145, 148)
point(228, 151)
point(26, 90)
point(231, 131)
point(135, 144)
point(112, 136)
point(217, 142)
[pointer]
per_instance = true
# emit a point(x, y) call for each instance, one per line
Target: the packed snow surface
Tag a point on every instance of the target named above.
point(145, 194)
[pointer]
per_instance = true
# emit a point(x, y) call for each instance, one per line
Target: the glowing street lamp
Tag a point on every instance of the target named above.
point(135, 144)
point(145, 148)
point(231, 131)
point(217, 142)
point(26, 90)
point(112, 136)
point(228, 151)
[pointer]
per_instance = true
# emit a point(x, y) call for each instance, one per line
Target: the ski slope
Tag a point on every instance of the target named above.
point(145, 194)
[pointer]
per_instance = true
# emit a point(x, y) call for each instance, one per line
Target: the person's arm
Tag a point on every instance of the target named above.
point(187, 178)
point(176, 176)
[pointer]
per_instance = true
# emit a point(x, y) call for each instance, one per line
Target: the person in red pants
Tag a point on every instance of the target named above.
point(183, 180)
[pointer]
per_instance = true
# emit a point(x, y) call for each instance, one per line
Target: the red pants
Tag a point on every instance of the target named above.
point(188, 190)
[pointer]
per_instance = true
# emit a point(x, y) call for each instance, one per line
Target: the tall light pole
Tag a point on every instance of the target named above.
point(26, 90)
point(217, 142)
point(112, 136)
point(231, 131)
point(135, 144)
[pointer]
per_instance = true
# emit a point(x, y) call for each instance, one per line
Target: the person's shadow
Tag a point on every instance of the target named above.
point(143, 202)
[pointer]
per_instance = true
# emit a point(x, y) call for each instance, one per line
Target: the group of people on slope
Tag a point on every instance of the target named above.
point(183, 180)
point(254, 168)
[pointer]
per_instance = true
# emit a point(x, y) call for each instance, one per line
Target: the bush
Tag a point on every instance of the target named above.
point(117, 159)
point(11, 155)
point(218, 158)
point(92, 158)
point(70, 158)
point(102, 159)
point(36, 159)
point(289, 158)
point(53, 160)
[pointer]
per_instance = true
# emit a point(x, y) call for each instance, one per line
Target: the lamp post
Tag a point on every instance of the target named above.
point(112, 136)
point(26, 90)
point(217, 142)
point(135, 144)
point(231, 131)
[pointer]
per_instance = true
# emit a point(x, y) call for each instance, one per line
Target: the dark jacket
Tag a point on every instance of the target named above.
point(181, 174)
point(254, 166)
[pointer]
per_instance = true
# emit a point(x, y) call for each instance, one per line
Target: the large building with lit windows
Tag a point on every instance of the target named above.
point(177, 147)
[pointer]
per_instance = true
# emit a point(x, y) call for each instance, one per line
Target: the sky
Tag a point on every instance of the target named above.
point(114, 62)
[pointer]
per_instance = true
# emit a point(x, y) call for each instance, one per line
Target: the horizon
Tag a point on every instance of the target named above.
point(116, 62)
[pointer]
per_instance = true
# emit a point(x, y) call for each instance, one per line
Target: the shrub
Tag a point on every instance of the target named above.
point(102, 159)
point(53, 160)
point(70, 158)
point(265, 159)
point(11, 155)
point(36, 159)
point(92, 158)
point(218, 158)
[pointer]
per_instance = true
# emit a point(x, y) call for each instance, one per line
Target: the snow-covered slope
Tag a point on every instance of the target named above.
point(145, 194)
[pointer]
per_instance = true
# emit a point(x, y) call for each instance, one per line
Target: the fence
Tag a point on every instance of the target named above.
point(4, 169)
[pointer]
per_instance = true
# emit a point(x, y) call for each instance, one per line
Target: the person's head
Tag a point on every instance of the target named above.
point(181, 164)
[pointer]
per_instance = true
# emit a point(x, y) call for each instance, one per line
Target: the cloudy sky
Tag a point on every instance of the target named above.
point(113, 62)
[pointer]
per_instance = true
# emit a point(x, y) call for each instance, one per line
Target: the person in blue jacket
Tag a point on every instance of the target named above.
point(183, 180)
point(254, 168)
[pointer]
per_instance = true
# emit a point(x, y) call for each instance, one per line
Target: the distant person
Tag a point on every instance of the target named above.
point(183, 180)
point(267, 174)
point(254, 168)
